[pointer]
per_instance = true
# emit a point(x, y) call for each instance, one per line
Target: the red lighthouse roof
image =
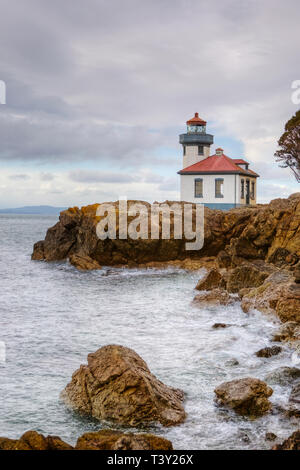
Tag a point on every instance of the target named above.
point(216, 164)
point(196, 121)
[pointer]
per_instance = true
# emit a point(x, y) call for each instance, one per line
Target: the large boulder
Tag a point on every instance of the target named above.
point(246, 396)
point(117, 385)
point(292, 443)
point(117, 440)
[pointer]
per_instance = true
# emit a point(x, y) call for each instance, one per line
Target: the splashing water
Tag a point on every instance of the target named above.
point(52, 316)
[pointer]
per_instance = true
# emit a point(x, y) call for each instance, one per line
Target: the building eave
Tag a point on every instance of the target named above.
point(217, 173)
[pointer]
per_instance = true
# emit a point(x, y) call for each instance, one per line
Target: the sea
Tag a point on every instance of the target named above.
point(52, 316)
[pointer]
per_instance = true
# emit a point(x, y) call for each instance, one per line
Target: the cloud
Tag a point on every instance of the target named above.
point(81, 176)
point(97, 82)
point(44, 176)
point(19, 177)
point(170, 184)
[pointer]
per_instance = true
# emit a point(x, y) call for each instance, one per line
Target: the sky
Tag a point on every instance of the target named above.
point(98, 92)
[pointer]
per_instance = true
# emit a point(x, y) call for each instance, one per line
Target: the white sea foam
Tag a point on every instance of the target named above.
point(52, 316)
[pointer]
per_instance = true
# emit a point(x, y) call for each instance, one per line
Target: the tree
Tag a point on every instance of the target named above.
point(289, 152)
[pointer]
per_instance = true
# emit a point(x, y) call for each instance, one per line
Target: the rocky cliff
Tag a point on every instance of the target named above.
point(270, 232)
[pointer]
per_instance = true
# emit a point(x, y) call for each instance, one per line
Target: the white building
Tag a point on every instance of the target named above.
point(217, 181)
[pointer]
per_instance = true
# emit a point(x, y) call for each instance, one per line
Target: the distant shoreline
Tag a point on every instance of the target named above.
point(33, 210)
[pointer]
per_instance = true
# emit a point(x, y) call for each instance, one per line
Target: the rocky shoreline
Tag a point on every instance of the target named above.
point(270, 232)
point(251, 256)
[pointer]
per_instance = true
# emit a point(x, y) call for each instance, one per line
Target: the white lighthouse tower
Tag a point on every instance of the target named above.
point(196, 143)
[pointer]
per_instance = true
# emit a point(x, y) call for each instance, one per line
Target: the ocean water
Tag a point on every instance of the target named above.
point(52, 316)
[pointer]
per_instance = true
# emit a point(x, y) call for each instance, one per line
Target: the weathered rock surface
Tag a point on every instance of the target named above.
point(269, 351)
point(32, 440)
point(246, 396)
point(278, 293)
point(283, 375)
point(292, 443)
point(289, 331)
point(116, 440)
point(117, 385)
point(101, 440)
point(84, 263)
point(247, 275)
point(210, 281)
point(259, 232)
point(213, 297)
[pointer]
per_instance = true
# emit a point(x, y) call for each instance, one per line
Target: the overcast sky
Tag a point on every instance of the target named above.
point(98, 92)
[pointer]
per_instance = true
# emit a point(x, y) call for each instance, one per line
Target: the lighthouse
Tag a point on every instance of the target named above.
point(217, 181)
point(195, 142)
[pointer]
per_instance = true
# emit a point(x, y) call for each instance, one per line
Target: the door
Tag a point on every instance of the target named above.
point(247, 192)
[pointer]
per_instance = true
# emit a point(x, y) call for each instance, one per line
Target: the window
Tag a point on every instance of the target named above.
point(242, 189)
point(252, 190)
point(198, 187)
point(200, 149)
point(219, 187)
point(184, 150)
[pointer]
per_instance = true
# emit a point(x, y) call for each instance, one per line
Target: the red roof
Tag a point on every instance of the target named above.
point(217, 164)
point(196, 120)
point(239, 161)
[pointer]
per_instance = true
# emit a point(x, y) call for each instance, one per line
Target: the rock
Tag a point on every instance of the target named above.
point(117, 385)
point(243, 292)
point(279, 256)
point(210, 281)
point(84, 263)
point(289, 331)
point(295, 395)
point(278, 294)
point(297, 274)
point(116, 440)
point(244, 437)
point(224, 259)
point(246, 396)
point(270, 436)
point(269, 352)
point(243, 233)
point(101, 440)
point(220, 325)
point(213, 297)
point(245, 276)
point(292, 443)
point(232, 362)
point(32, 440)
point(283, 375)
point(38, 251)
